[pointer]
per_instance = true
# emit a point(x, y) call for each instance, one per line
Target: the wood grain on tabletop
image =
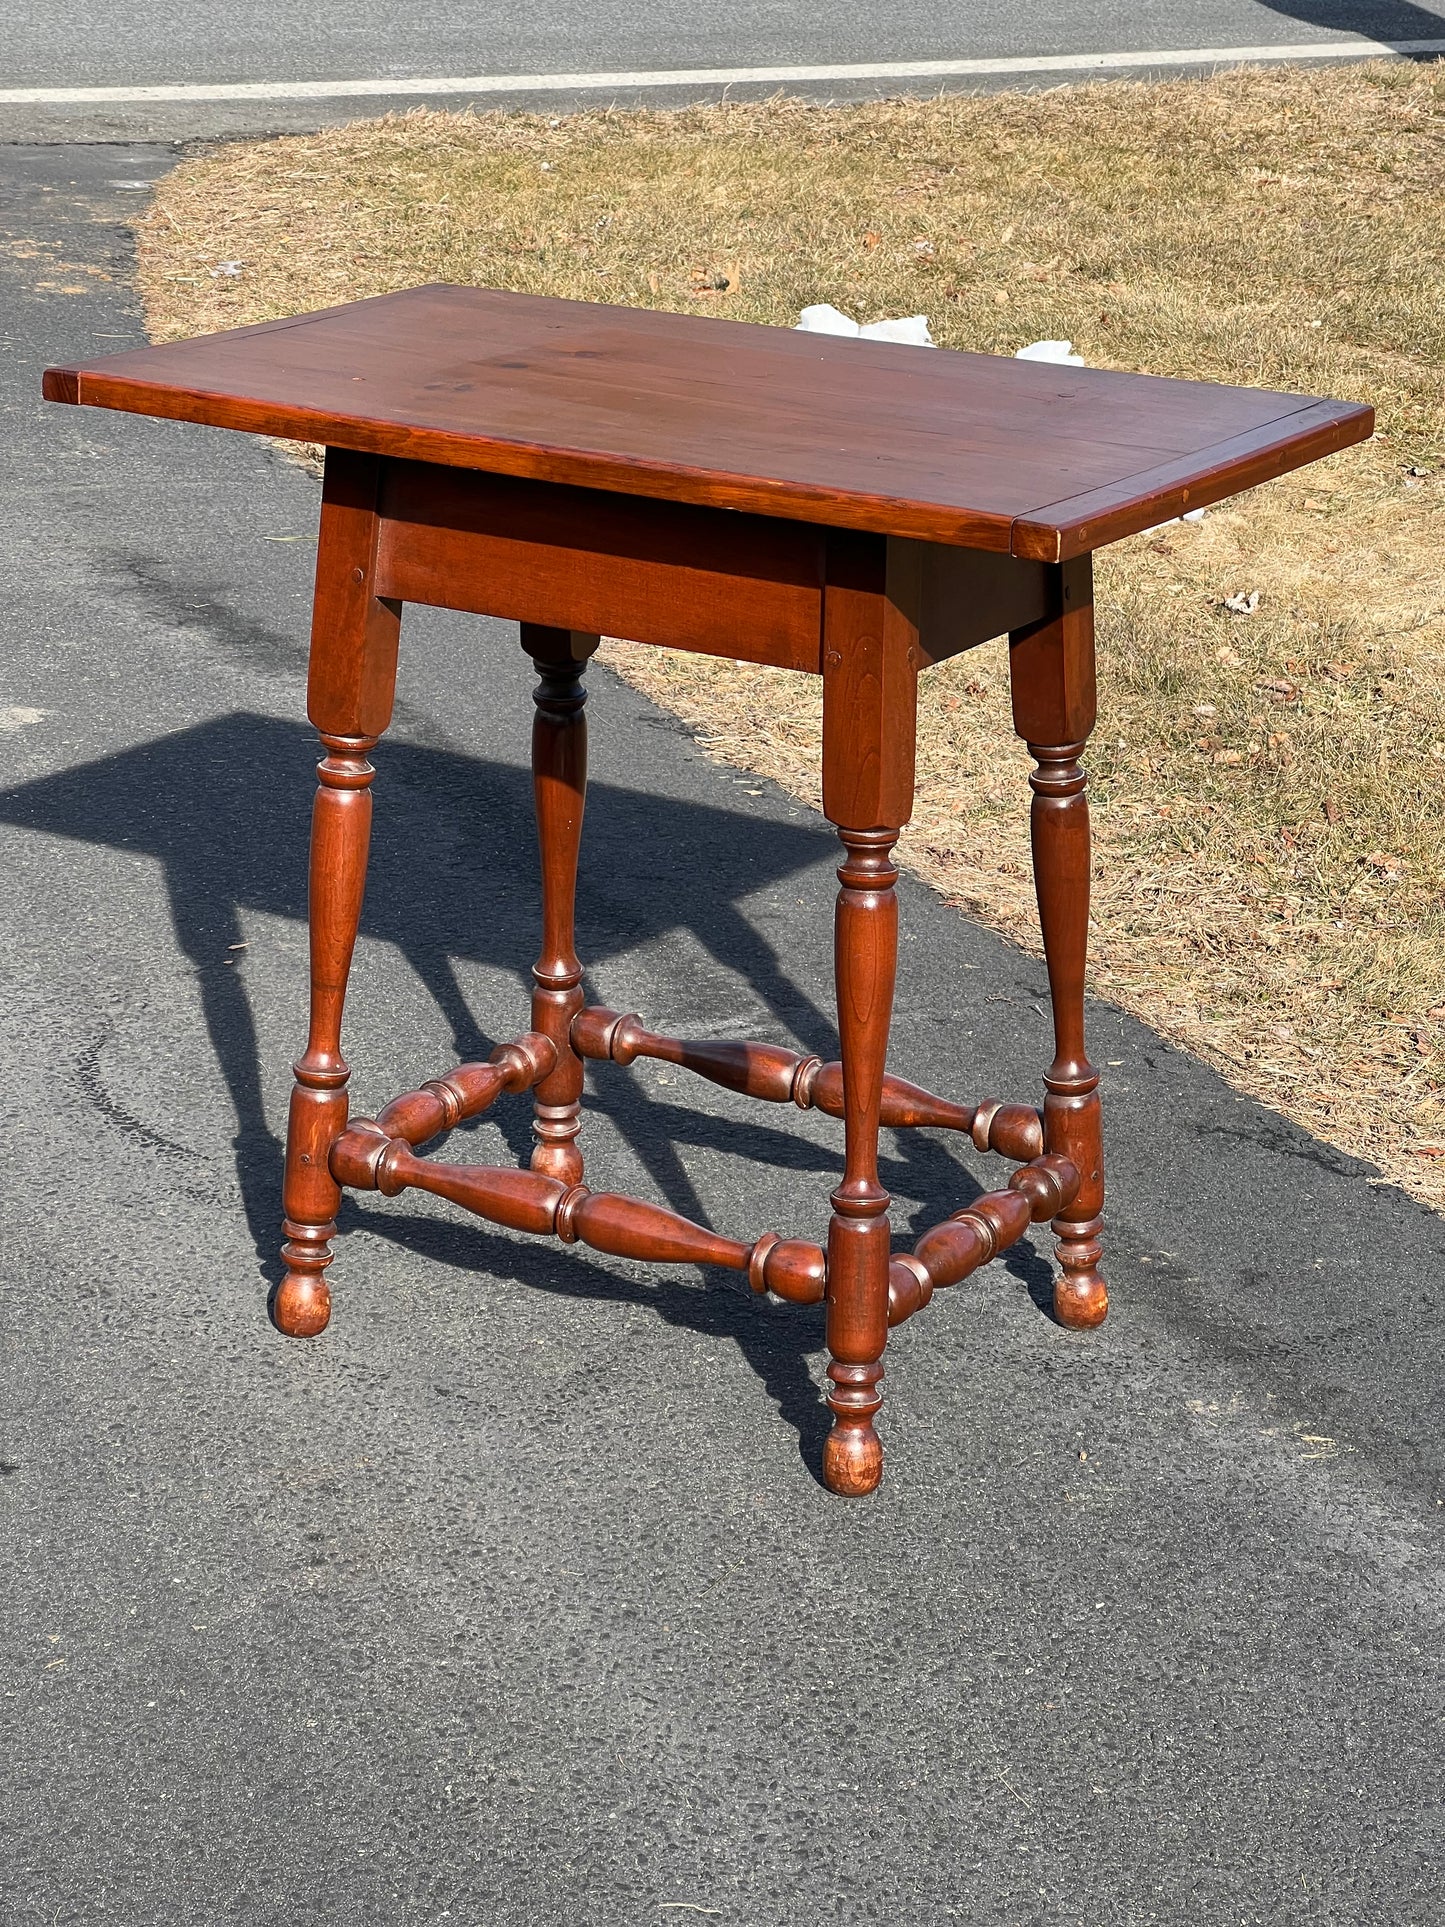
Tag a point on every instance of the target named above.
point(978, 450)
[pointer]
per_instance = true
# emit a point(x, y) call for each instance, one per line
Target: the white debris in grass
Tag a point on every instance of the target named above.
point(824, 319)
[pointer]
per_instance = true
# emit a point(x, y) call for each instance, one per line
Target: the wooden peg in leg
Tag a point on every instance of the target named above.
point(349, 699)
point(1052, 673)
point(559, 782)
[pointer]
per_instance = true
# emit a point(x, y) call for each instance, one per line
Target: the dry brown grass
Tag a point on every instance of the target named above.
point(1269, 790)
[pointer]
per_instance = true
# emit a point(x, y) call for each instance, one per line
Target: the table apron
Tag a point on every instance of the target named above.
point(967, 596)
point(707, 580)
point(713, 581)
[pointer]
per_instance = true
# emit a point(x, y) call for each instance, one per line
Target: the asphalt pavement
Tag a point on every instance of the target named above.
point(515, 1599)
point(592, 52)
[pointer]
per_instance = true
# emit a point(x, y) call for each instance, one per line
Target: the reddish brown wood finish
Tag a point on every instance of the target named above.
point(559, 784)
point(865, 954)
point(763, 1070)
point(1052, 673)
point(871, 603)
point(870, 683)
point(859, 510)
point(711, 580)
point(706, 579)
point(962, 597)
point(976, 451)
point(784, 1076)
point(366, 1158)
point(789, 1268)
point(444, 1102)
point(349, 698)
point(1015, 1130)
point(958, 1247)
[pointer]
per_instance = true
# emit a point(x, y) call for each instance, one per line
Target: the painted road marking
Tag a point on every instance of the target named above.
point(392, 87)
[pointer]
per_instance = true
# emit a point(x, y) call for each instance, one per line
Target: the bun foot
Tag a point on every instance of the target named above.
point(301, 1304)
point(852, 1461)
point(1081, 1300)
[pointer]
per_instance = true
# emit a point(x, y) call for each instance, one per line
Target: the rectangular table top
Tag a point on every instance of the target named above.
point(981, 451)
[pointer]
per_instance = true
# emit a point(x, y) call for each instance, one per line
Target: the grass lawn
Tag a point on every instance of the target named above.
point(1269, 789)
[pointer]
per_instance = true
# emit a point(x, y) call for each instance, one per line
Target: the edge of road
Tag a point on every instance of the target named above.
point(200, 110)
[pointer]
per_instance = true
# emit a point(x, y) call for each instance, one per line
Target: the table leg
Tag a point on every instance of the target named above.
point(559, 784)
point(1052, 671)
point(865, 938)
point(349, 698)
point(870, 692)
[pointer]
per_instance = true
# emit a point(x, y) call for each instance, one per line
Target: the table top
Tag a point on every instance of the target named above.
point(980, 451)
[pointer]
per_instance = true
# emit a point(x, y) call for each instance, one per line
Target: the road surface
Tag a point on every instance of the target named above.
point(486, 52)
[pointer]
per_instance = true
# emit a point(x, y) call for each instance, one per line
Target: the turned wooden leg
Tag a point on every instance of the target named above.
point(870, 698)
point(865, 956)
point(1059, 824)
point(340, 838)
point(349, 698)
point(1053, 683)
point(559, 782)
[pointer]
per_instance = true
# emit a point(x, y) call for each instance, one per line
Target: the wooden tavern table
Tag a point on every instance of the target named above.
point(854, 509)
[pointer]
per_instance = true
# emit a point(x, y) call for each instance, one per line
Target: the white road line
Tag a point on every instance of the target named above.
point(393, 87)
